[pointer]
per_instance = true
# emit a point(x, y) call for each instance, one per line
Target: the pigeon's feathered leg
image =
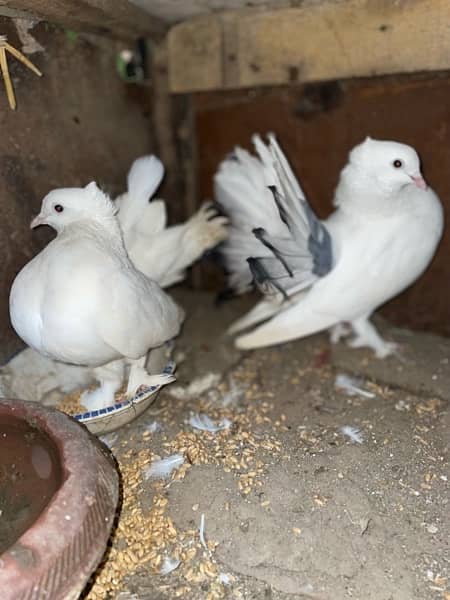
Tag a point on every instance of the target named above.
point(339, 331)
point(139, 376)
point(367, 335)
point(110, 377)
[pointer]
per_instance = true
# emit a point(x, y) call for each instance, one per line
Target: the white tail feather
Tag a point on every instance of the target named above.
point(241, 189)
point(262, 311)
point(297, 321)
point(144, 178)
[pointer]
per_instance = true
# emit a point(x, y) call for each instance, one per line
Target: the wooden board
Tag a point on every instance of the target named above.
point(328, 40)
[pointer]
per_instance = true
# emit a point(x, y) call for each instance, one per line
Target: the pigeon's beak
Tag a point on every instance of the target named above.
point(38, 220)
point(419, 181)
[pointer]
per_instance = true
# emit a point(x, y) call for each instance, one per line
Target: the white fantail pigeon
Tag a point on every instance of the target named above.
point(316, 274)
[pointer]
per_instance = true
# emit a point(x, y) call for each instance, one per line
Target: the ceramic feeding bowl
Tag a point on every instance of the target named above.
point(111, 418)
point(59, 491)
point(31, 376)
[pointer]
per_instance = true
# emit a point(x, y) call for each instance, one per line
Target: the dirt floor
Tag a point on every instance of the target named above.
point(291, 505)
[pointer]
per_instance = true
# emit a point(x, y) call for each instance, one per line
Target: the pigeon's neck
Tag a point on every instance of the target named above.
point(361, 195)
point(106, 228)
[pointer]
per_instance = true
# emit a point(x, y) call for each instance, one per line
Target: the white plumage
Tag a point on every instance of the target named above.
point(317, 275)
point(163, 253)
point(81, 300)
point(164, 467)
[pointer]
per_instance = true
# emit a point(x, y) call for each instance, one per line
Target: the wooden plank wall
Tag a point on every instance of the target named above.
point(314, 42)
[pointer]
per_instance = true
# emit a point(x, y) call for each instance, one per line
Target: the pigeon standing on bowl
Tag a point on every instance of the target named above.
point(162, 253)
point(82, 301)
point(316, 274)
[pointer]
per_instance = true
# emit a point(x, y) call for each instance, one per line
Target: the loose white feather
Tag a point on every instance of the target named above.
point(169, 564)
point(204, 423)
point(202, 531)
point(163, 468)
point(153, 427)
point(353, 433)
point(225, 578)
point(350, 386)
point(109, 440)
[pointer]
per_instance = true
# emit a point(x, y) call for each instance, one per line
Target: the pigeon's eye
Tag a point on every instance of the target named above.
point(58, 208)
point(397, 163)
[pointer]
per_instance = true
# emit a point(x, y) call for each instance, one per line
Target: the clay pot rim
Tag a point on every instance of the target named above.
point(68, 508)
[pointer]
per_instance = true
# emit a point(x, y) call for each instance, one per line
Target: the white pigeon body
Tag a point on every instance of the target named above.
point(377, 258)
point(81, 300)
point(161, 252)
point(382, 236)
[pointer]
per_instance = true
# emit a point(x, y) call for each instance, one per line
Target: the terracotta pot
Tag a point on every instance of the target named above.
point(59, 491)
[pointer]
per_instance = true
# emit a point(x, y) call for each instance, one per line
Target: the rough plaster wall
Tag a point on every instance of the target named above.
point(317, 125)
point(77, 123)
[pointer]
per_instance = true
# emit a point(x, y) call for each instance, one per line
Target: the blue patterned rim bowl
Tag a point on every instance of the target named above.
point(111, 418)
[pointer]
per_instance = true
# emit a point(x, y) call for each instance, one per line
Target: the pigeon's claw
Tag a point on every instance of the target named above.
point(387, 349)
point(139, 377)
point(381, 348)
point(206, 228)
point(367, 336)
point(149, 381)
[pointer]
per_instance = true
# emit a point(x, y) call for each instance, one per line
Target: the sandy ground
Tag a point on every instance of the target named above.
point(292, 506)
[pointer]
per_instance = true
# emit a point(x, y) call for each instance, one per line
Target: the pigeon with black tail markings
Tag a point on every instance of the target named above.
point(316, 274)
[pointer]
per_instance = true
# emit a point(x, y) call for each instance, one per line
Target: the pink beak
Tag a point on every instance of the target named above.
point(419, 181)
point(38, 220)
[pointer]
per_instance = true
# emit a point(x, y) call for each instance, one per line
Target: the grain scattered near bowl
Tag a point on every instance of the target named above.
point(145, 535)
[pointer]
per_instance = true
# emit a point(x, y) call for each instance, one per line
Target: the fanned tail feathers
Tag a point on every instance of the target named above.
point(241, 190)
point(275, 238)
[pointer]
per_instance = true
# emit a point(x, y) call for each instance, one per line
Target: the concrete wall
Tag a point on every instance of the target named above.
point(317, 125)
point(78, 122)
